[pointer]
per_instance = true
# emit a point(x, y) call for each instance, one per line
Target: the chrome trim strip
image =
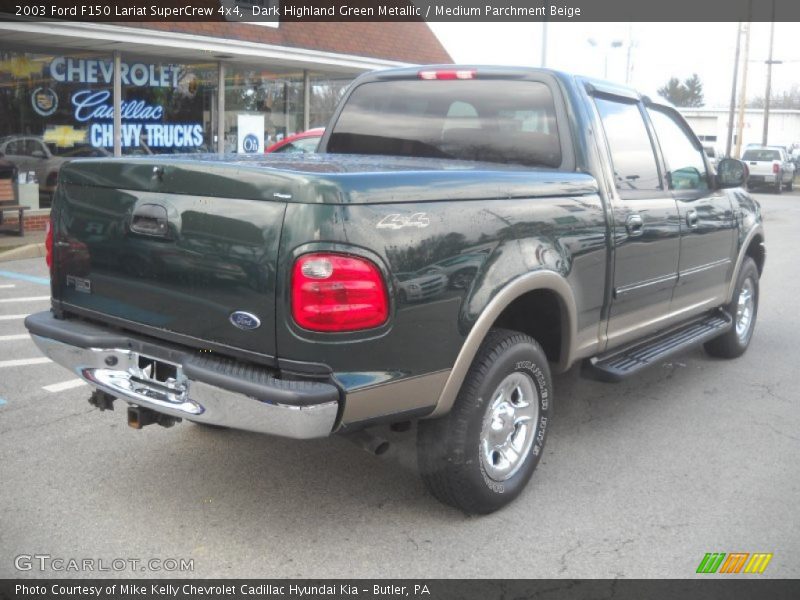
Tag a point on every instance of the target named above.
point(702, 268)
point(624, 290)
point(538, 280)
point(186, 398)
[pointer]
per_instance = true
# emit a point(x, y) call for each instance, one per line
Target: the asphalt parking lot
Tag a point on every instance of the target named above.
point(639, 479)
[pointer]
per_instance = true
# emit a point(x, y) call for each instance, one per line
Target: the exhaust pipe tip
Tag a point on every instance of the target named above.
point(373, 444)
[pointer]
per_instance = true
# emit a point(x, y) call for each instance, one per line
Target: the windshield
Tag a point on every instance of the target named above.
point(485, 120)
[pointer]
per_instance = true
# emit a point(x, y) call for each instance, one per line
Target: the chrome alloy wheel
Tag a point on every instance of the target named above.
point(509, 426)
point(744, 309)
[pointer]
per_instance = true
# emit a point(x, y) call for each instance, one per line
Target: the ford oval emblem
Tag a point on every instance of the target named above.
point(245, 320)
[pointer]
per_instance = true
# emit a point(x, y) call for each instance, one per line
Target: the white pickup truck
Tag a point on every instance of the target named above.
point(769, 166)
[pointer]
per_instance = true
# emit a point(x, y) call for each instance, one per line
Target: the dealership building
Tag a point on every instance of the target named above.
point(180, 87)
point(711, 126)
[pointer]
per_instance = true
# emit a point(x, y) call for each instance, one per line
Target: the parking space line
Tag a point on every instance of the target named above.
point(6, 286)
point(12, 317)
point(26, 299)
point(23, 277)
point(64, 385)
point(16, 336)
point(23, 362)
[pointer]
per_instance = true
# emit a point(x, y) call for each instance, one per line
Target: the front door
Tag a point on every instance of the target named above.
point(708, 234)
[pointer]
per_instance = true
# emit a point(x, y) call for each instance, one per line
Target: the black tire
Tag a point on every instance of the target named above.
point(779, 184)
point(734, 342)
point(790, 185)
point(453, 452)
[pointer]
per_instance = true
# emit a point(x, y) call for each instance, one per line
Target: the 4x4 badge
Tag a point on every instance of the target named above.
point(245, 320)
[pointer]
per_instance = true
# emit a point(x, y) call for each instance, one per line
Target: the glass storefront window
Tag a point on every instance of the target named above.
point(326, 91)
point(261, 101)
point(167, 107)
point(57, 105)
point(38, 128)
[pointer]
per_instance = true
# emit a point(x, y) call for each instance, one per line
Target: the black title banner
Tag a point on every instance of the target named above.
point(436, 589)
point(286, 11)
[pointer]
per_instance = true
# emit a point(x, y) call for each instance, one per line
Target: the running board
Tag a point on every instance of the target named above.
point(621, 363)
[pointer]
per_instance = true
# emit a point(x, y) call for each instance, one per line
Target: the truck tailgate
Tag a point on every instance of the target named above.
point(153, 260)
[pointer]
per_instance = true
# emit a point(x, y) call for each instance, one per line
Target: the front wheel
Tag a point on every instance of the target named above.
point(480, 456)
point(743, 309)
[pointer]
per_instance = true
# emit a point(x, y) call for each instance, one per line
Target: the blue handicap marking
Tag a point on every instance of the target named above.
point(23, 277)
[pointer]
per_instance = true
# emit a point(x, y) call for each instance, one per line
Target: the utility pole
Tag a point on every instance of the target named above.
point(732, 111)
point(770, 62)
point(743, 91)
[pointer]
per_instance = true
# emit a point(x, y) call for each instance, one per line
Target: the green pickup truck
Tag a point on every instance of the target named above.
point(463, 233)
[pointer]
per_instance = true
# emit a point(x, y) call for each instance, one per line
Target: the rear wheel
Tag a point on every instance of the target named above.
point(480, 456)
point(744, 310)
point(778, 183)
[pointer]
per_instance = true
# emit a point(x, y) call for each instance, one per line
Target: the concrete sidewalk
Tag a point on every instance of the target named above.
point(14, 247)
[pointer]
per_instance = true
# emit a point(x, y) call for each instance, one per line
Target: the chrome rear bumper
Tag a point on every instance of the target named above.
point(310, 413)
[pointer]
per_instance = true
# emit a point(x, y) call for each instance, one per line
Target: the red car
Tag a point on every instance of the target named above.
point(304, 142)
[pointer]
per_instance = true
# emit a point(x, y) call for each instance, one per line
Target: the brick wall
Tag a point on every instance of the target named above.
point(32, 222)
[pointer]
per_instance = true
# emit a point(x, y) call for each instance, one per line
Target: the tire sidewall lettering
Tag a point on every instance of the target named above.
point(543, 392)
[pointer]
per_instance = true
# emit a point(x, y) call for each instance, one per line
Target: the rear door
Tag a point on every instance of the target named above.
point(706, 216)
point(646, 224)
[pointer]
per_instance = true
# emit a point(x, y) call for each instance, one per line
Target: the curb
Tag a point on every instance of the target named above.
point(20, 252)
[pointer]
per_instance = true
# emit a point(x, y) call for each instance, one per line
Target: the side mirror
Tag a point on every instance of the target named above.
point(731, 173)
point(38, 154)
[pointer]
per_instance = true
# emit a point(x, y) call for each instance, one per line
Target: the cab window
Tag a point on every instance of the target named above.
point(632, 155)
point(686, 169)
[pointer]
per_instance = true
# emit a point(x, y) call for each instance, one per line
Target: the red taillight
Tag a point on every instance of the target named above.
point(338, 292)
point(48, 244)
point(776, 168)
point(447, 74)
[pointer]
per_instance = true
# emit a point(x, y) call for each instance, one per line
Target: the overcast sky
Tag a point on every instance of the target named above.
point(659, 51)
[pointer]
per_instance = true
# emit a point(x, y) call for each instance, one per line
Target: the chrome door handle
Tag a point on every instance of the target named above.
point(692, 219)
point(635, 225)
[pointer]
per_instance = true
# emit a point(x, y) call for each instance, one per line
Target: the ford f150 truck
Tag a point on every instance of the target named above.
point(464, 232)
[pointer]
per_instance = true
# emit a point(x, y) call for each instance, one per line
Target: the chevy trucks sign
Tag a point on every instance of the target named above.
point(142, 121)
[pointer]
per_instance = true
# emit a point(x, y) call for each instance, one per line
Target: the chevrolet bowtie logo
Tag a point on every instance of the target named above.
point(20, 67)
point(64, 136)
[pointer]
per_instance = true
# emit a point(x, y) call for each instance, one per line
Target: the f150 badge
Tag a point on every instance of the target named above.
point(397, 221)
point(245, 320)
point(80, 284)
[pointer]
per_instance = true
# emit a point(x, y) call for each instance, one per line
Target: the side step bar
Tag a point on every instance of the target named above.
point(621, 363)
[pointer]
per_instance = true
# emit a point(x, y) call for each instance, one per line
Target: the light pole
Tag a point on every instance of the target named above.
point(614, 44)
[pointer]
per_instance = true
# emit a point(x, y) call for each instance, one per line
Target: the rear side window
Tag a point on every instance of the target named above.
point(632, 152)
point(485, 120)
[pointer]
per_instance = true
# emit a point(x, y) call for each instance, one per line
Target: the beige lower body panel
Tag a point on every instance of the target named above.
point(397, 397)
